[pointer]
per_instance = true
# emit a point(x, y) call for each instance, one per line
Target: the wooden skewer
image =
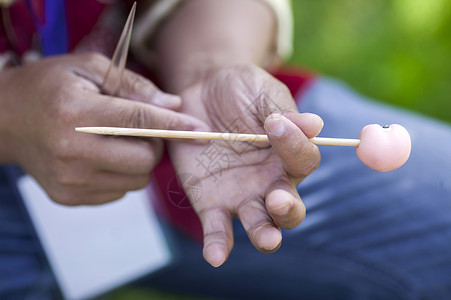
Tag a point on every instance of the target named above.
point(178, 134)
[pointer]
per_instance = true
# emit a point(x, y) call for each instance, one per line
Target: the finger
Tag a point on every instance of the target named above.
point(94, 66)
point(129, 156)
point(261, 230)
point(91, 66)
point(136, 87)
point(284, 204)
point(218, 235)
point(300, 157)
point(101, 198)
point(123, 113)
point(310, 124)
point(114, 182)
point(75, 198)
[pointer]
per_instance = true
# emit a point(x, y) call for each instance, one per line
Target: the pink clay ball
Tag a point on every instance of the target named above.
point(384, 148)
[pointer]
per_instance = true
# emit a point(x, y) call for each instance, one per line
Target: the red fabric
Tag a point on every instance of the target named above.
point(21, 31)
point(81, 18)
point(182, 217)
point(81, 15)
point(296, 79)
point(38, 7)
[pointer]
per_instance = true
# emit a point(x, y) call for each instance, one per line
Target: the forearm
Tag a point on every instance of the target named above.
point(204, 34)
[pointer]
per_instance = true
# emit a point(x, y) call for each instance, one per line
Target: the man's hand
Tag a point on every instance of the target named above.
point(255, 182)
point(42, 103)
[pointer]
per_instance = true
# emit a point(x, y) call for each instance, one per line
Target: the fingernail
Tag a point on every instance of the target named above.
point(273, 239)
point(275, 125)
point(166, 100)
point(279, 204)
point(201, 126)
point(284, 208)
point(215, 255)
point(315, 118)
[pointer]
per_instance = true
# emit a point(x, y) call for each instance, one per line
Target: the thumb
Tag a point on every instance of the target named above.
point(300, 157)
point(123, 113)
point(136, 87)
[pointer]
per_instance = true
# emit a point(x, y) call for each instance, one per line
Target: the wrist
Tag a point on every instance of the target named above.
point(198, 66)
point(204, 35)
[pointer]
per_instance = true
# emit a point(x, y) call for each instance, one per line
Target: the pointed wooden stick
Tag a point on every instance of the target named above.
point(112, 81)
point(177, 134)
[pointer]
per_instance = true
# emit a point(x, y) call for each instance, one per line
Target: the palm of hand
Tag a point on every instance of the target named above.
point(239, 179)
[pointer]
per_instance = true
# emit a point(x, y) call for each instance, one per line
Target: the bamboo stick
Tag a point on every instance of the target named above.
point(178, 134)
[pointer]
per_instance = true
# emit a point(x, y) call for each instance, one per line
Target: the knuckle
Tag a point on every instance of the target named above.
point(312, 163)
point(136, 117)
point(304, 159)
point(63, 179)
point(65, 151)
point(66, 112)
point(294, 147)
point(134, 81)
point(316, 163)
point(141, 117)
point(92, 57)
point(214, 219)
point(217, 236)
point(70, 179)
point(176, 123)
point(137, 84)
point(62, 149)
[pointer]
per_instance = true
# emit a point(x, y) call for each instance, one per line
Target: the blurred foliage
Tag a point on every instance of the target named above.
point(397, 51)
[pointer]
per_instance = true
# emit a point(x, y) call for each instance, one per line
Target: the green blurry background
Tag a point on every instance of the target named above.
point(397, 51)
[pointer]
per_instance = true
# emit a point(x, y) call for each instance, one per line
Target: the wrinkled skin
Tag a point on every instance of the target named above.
point(43, 102)
point(255, 182)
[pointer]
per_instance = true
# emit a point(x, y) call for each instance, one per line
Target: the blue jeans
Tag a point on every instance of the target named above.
point(24, 272)
point(367, 235)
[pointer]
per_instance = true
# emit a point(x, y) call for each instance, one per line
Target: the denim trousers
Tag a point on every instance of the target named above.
point(367, 235)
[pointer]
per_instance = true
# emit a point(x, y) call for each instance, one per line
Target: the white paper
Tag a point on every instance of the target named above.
point(93, 249)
